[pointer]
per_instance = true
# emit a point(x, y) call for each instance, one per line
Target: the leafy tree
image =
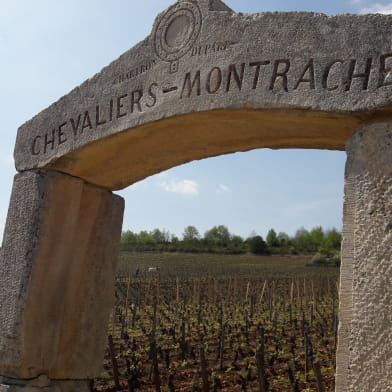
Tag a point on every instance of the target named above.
point(236, 244)
point(145, 238)
point(257, 245)
point(237, 240)
point(128, 238)
point(174, 239)
point(218, 235)
point(272, 239)
point(316, 237)
point(283, 239)
point(160, 237)
point(190, 234)
point(301, 240)
point(285, 244)
point(333, 239)
point(218, 239)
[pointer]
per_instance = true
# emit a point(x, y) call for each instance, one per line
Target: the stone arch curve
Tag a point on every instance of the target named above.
point(209, 81)
point(206, 81)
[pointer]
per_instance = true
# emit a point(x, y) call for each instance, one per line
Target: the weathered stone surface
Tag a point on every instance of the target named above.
point(36, 385)
point(56, 276)
point(211, 80)
point(365, 333)
point(41, 381)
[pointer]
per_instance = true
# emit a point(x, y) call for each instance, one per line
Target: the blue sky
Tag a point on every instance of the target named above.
point(49, 47)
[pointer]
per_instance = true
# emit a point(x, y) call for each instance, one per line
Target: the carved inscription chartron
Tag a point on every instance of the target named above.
point(135, 72)
point(270, 75)
point(177, 31)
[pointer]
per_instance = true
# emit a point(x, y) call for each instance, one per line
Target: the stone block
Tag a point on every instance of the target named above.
point(36, 385)
point(365, 331)
point(57, 271)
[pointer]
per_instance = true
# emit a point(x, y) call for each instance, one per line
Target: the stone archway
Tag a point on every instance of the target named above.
point(207, 81)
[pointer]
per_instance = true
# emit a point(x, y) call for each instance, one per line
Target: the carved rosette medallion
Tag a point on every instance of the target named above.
point(176, 31)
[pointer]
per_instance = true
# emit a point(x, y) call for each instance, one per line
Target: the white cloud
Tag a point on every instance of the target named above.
point(377, 8)
point(223, 189)
point(184, 187)
point(163, 174)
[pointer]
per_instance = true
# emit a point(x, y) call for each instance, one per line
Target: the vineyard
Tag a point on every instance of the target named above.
point(221, 323)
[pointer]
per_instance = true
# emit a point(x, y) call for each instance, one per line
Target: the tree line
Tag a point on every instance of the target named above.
point(317, 241)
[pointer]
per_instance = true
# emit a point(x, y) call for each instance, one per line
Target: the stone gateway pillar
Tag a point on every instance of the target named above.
point(365, 333)
point(57, 276)
point(207, 81)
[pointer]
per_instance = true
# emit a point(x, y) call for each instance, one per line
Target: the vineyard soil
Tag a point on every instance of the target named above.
point(221, 323)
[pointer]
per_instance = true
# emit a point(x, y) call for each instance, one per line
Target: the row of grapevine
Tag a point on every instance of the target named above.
point(226, 334)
